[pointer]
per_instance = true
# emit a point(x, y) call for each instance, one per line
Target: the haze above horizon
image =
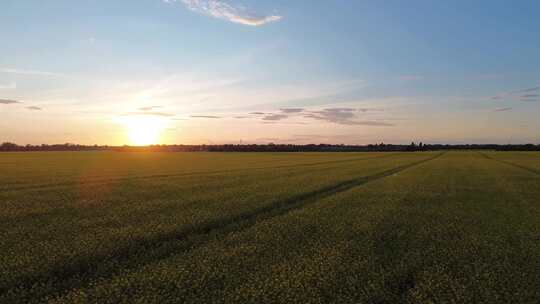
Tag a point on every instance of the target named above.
point(213, 72)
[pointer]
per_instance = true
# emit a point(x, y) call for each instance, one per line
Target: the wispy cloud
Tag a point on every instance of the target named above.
point(502, 109)
point(530, 97)
point(365, 110)
point(533, 89)
point(275, 117)
point(28, 72)
point(205, 116)
point(8, 86)
point(8, 101)
point(308, 138)
point(343, 116)
point(521, 94)
point(149, 108)
point(292, 110)
point(146, 113)
point(34, 108)
point(225, 10)
point(337, 115)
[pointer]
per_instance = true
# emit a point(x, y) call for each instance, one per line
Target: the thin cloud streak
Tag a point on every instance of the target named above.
point(8, 101)
point(8, 86)
point(533, 89)
point(343, 116)
point(205, 116)
point(502, 109)
point(149, 108)
point(292, 110)
point(365, 110)
point(34, 108)
point(224, 10)
point(518, 94)
point(149, 114)
point(28, 72)
point(275, 117)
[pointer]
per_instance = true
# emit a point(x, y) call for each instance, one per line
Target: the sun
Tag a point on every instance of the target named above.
point(143, 135)
point(144, 131)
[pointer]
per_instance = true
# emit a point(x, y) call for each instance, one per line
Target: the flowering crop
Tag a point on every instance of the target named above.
point(269, 227)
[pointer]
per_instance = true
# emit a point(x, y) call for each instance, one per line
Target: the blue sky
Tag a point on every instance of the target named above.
point(208, 71)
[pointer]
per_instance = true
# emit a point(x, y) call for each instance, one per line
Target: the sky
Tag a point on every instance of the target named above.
point(210, 72)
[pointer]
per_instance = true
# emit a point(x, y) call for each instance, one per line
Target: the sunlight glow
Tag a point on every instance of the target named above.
point(143, 131)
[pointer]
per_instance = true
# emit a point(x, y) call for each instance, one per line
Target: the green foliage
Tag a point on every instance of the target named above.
point(423, 227)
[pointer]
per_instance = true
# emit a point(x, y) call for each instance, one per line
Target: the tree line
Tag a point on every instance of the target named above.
point(12, 147)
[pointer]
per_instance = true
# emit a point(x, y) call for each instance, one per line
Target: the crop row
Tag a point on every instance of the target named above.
point(91, 232)
point(459, 229)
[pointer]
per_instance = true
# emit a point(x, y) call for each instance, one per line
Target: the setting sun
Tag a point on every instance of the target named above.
point(143, 131)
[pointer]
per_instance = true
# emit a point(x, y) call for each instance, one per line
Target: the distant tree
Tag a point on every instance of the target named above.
point(8, 146)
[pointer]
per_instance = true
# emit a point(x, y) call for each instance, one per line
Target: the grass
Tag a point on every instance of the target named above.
point(426, 227)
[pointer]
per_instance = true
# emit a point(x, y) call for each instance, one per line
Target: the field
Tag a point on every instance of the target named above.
point(423, 227)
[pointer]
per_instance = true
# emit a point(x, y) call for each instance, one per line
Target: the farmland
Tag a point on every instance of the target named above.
point(416, 227)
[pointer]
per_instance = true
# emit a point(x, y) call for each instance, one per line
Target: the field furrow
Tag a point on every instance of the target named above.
point(162, 241)
point(117, 179)
point(452, 227)
point(517, 165)
point(422, 235)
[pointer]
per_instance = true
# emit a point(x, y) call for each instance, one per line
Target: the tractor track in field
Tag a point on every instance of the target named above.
point(83, 271)
point(531, 170)
point(95, 182)
point(67, 210)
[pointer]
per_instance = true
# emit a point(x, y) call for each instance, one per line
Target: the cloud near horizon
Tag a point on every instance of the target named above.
point(343, 116)
point(205, 116)
point(149, 108)
point(522, 94)
point(28, 72)
point(8, 101)
point(146, 113)
point(8, 86)
point(365, 110)
point(34, 108)
point(533, 89)
point(292, 110)
point(223, 10)
point(502, 109)
point(275, 117)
